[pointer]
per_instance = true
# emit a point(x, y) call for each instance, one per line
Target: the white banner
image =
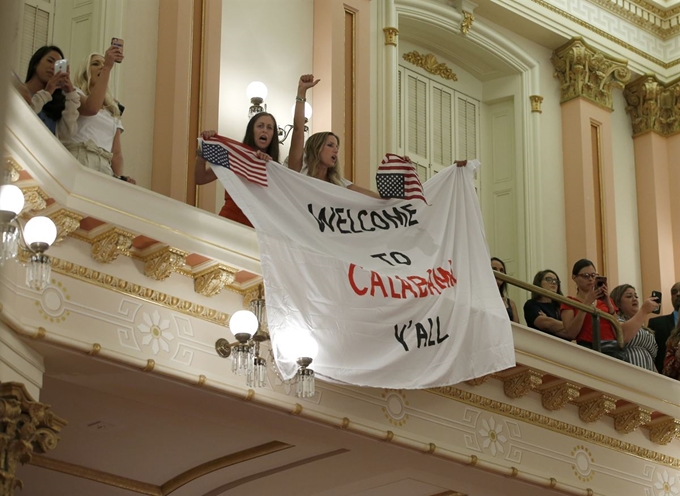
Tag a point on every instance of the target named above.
point(397, 293)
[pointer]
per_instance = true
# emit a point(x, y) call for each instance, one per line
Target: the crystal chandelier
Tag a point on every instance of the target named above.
point(250, 331)
point(36, 237)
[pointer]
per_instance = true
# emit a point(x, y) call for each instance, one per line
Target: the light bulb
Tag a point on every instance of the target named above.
point(256, 89)
point(294, 344)
point(307, 346)
point(308, 111)
point(11, 198)
point(40, 230)
point(243, 322)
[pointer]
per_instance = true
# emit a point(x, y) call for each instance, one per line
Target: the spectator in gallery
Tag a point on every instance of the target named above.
point(542, 313)
point(662, 326)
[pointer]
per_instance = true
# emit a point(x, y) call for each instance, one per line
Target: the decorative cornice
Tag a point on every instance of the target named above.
point(430, 63)
point(212, 280)
point(12, 169)
point(66, 222)
point(664, 431)
point(160, 264)
point(521, 383)
point(629, 419)
point(35, 199)
point(653, 106)
point(252, 293)
point(557, 396)
point(478, 381)
point(391, 35)
point(586, 72)
point(110, 244)
point(594, 408)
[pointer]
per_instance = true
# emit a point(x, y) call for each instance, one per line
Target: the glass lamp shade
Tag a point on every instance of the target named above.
point(308, 111)
point(296, 344)
point(256, 89)
point(40, 230)
point(11, 198)
point(243, 322)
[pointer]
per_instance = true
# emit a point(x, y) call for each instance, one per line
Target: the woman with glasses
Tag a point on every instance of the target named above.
point(499, 266)
point(579, 325)
point(542, 313)
point(641, 347)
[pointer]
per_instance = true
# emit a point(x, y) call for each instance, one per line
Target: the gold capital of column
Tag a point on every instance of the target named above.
point(586, 72)
point(391, 36)
point(653, 106)
point(26, 427)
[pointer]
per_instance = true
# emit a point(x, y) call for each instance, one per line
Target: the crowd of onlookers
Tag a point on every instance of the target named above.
point(653, 344)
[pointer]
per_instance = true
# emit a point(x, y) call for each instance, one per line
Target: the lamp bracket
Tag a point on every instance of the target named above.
point(223, 348)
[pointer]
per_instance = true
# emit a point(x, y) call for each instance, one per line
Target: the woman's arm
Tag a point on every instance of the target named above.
point(117, 159)
point(631, 326)
point(297, 140)
point(68, 124)
point(91, 104)
point(515, 316)
point(203, 174)
point(548, 324)
point(364, 191)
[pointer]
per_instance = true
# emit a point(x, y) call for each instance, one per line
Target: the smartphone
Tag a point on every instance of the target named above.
point(61, 66)
point(656, 295)
point(118, 42)
point(600, 281)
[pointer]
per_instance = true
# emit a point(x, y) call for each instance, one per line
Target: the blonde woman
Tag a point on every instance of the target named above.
point(97, 143)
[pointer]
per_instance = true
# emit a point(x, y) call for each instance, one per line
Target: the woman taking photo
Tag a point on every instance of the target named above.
point(499, 266)
point(641, 347)
point(542, 313)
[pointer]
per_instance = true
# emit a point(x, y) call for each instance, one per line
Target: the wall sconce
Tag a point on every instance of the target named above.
point(256, 93)
point(249, 329)
point(285, 130)
point(36, 236)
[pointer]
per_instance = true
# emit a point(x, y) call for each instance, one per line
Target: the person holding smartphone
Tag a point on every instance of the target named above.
point(52, 95)
point(97, 144)
point(641, 347)
point(662, 326)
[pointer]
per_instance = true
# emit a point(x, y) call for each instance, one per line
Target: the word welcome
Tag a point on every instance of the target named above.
point(348, 222)
point(371, 283)
point(423, 336)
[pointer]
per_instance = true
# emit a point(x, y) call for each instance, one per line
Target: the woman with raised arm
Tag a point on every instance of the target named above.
point(261, 134)
point(97, 144)
point(641, 347)
point(52, 95)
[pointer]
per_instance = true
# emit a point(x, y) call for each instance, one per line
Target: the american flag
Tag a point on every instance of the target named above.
point(397, 178)
point(235, 156)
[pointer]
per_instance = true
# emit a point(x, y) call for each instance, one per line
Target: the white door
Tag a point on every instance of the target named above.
point(76, 30)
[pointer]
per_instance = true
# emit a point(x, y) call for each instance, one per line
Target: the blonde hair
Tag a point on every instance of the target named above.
point(313, 147)
point(82, 80)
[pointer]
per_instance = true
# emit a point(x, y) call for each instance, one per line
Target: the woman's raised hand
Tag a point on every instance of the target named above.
point(112, 55)
point(208, 134)
point(59, 80)
point(262, 155)
point(649, 305)
point(306, 81)
point(67, 85)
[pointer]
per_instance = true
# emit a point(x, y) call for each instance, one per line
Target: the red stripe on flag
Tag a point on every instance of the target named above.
point(242, 159)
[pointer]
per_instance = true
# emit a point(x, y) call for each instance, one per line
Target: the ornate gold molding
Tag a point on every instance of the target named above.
point(478, 381)
point(66, 222)
point(629, 419)
point(521, 383)
point(536, 101)
point(556, 397)
point(596, 407)
point(35, 198)
point(466, 23)
point(113, 283)
point(391, 35)
point(12, 169)
point(211, 281)
point(252, 293)
point(586, 72)
point(162, 263)
point(430, 63)
point(653, 106)
point(108, 245)
point(555, 425)
point(664, 431)
point(26, 427)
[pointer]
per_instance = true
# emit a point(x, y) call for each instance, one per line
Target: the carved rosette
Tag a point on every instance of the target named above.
point(586, 72)
point(26, 427)
point(107, 246)
point(161, 264)
point(555, 397)
point(653, 106)
point(35, 199)
point(595, 408)
point(520, 384)
point(391, 36)
point(66, 223)
point(665, 431)
point(430, 63)
point(211, 281)
point(630, 419)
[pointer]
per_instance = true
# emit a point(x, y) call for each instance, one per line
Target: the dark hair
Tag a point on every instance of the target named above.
point(617, 293)
point(503, 288)
point(538, 278)
point(580, 265)
point(56, 106)
point(249, 139)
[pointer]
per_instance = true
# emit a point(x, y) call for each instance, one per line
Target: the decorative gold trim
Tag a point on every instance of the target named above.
point(629, 419)
point(431, 448)
point(593, 409)
point(96, 348)
point(553, 482)
point(536, 101)
point(664, 431)
point(653, 106)
point(297, 410)
point(521, 383)
point(35, 198)
point(466, 23)
point(160, 264)
point(122, 286)
point(66, 222)
point(13, 169)
point(40, 334)
point(430, 63)
point(557, 396)
point(150, 364)
point(211, 281)
point(113, 242)
point(249, 395)
point(514, 472)
point(478, 381)
point(345, 423)
point(391, 36)
point(389, 435)
point(201, 380)
point(555, 425)
point(473, 460)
